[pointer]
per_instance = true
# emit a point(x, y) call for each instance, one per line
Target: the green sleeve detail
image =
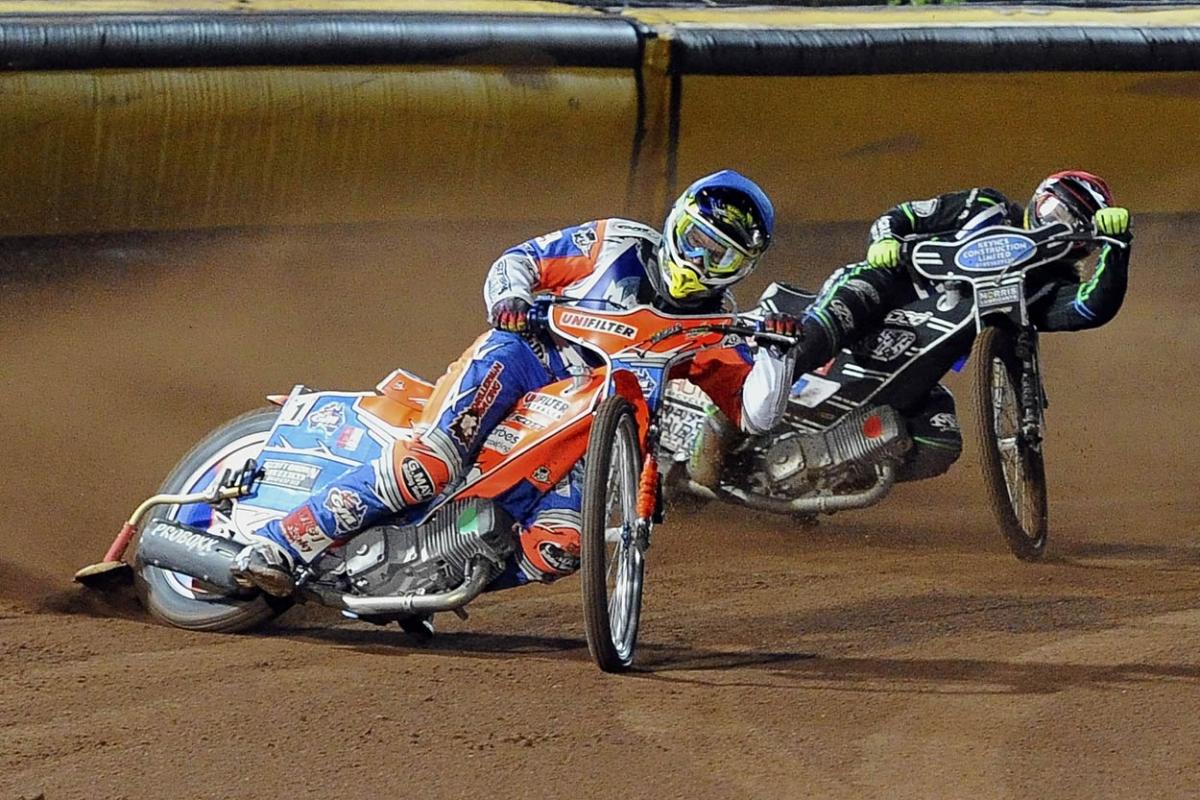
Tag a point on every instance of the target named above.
point(852, 273)
point(987, 201)
point(1086, 289)
point(908, 213)
point(823, 318)
point(936, 443)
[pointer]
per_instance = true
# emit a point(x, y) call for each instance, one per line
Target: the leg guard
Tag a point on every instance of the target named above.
point(937, 440)
point(550, 543)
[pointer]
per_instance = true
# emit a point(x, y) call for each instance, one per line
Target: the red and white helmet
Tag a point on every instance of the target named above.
point(1072, 196)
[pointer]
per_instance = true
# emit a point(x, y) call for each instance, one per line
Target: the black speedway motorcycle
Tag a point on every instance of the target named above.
point(845, 434)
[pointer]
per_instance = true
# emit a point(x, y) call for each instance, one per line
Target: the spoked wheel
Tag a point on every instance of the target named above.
point(611, 557)
point(1013, 468)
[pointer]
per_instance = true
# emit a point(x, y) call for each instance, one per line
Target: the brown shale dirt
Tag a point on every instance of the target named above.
point(896, 653)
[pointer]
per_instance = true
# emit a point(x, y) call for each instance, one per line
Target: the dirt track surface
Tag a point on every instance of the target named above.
point(899, 652)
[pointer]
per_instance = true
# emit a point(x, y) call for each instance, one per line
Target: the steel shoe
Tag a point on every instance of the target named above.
point(264, 565)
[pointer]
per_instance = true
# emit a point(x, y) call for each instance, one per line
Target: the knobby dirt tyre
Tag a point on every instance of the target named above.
point(1017, 499)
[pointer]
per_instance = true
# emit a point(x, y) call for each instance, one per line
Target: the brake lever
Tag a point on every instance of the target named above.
point(762, 336)
point(1111, 240)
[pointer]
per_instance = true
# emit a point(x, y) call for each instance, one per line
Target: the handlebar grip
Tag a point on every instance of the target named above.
point(537, 319)
point(777, 338)
point(762, 336)
point(1118, 243)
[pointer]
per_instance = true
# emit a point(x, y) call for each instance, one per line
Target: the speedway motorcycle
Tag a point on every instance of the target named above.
point(842, 440)
point(446, 553)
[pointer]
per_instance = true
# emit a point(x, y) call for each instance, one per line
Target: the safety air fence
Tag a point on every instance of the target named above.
point(120, 116)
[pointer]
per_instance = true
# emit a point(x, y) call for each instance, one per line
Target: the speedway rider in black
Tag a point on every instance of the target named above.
point(856, 298)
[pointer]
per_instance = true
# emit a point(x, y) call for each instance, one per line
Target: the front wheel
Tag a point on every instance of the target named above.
point(611, 557)
point(175, 598)
point(1014, 471)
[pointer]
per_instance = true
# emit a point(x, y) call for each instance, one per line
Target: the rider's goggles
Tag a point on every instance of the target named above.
point(715, 257)
point(1049, 208)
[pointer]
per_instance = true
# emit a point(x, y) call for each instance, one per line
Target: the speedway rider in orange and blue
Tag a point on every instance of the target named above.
point(714, 236)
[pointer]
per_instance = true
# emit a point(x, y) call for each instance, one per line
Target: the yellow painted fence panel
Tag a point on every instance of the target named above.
point(845, 148)
point(161, 149)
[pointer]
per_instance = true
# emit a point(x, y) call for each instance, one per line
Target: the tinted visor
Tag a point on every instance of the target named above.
point(714, 257)
point(1048, 208)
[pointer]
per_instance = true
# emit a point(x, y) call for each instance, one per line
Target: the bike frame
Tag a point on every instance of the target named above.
point(547, 432)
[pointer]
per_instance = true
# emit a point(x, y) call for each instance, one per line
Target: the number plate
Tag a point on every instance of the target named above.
point(998, 296)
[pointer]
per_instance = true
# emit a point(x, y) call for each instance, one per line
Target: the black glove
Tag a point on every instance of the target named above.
point(778, 324)
point(511, 314)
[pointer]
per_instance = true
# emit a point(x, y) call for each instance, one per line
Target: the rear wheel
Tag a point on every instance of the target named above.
point(175, 598)
point(1013, 467)
point(611, 559)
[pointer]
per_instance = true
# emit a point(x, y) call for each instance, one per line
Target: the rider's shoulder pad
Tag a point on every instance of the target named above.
point(995, 195)
point(625, 228)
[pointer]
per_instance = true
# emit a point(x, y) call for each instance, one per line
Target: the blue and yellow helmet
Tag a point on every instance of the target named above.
point(714, 236)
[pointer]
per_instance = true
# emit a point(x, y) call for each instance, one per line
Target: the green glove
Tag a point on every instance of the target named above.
point(1112, 221)
point(885, 253)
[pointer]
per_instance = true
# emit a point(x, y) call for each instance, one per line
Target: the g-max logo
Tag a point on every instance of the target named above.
point(597, 324)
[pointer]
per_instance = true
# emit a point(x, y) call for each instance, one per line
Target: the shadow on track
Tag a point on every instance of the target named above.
point(801, 671)
point(470, 644)
point(1122, 555)
point(781, 670)
point(391, 640)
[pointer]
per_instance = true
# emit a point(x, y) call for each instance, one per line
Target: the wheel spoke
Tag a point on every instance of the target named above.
point(619, 603)
point(236, 453)
point(616, 562)
point(1005, 426)
point(623, 603)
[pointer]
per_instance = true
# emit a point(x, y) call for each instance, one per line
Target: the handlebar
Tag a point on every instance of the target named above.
point(1092, 237)
point(538, 318)
point(538, 321)
point(907, 243)
point(759, 336)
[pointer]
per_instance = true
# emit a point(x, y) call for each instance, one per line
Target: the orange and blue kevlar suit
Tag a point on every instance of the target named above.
point(607, 260)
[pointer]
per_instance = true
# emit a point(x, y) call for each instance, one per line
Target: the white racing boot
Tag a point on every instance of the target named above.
point(707, 458)
point(265, 565)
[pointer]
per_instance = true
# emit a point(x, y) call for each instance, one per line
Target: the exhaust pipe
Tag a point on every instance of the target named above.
point(824, 504)
point(472, 587)
point(176, 547)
